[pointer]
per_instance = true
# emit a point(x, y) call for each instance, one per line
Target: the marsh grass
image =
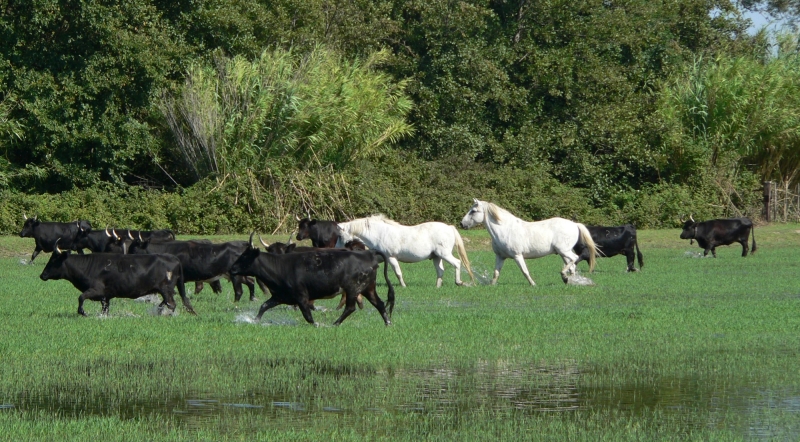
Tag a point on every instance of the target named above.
point(689, 348)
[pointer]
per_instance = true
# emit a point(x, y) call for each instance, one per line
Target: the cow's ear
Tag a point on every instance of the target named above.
point(290, 247)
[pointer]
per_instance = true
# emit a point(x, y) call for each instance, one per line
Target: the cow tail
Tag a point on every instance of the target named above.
point(753, 232)
point(586, 237)
point(390, 294)
point(462, 253)
point(638, 253)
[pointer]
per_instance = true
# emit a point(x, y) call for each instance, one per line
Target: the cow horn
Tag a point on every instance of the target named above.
point(55, 247)
point(107, 234)
point(262, 242)
point(129, 234)
point(114, 231)
point(296, 217)
point(140, 236)
point(35, 216)
point(290, 237)
point(251, 240)
point(24, 216)
point(690, 218)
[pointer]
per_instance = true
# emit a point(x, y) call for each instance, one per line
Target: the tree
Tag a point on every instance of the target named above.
point(734, 114)
point(306, 111)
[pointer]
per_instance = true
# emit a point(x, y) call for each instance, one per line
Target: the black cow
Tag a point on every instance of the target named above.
point(102, 276)
point(46, 234)
point(719, 232)
point(299, 278)
point(202, 260)
point(612, 241)
point(323, 234)
point(281, 249)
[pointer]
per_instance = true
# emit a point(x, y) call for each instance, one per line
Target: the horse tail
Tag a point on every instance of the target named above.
point(586, 237)
point(462, 253)
point(753, 232)
point(390, 294)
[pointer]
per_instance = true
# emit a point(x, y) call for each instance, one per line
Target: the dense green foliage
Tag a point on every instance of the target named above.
point(567, 92)
point(711, 355)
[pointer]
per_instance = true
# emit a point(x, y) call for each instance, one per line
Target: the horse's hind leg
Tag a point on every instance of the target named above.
point(437, 264)
point(455, 262)
point(520, 260)
point(569, 257)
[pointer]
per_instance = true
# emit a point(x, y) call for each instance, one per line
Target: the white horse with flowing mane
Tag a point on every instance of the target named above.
point(431, 240)
point(519, 239)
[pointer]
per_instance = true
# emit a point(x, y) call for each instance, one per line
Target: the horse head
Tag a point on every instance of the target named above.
point(475, 215)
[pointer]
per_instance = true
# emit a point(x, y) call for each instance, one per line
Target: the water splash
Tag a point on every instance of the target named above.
point(153, 299)
point(578, 279)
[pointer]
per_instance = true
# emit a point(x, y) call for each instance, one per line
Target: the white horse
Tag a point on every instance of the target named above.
point(431, 240)
point(519, 240)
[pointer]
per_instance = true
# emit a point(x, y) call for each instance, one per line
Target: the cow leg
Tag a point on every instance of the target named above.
point(248, 281)
point(216, 287)
point(268, 304)
point(520, 260)
point(36, 252)
point(93, 294)
point(498, 265)
point(237, 287)
point(437, 264)
point(263, 287)
point(377, 302)
point(343, 301)
point(104, 302)
point(630, 256)
point(745, 249)
point(396, 267)
point(198, 287)
point(305, 308)
point(350, 308)
point(455, 262)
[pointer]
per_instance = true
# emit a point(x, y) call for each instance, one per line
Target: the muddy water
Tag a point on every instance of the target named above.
point(563, 389)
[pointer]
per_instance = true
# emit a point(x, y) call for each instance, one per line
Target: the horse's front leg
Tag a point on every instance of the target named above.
point(520, 260)
point(437, 264)
point(396, 267)
point(498, 265)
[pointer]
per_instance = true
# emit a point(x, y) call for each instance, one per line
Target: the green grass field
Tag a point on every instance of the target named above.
point(689, 348)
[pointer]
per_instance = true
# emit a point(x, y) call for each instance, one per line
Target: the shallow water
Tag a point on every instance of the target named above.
point(442, 391)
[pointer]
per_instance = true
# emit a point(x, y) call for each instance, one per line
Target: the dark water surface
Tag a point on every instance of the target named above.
point(445, 391)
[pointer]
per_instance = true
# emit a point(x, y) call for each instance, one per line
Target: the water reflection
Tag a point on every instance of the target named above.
point(486, 387)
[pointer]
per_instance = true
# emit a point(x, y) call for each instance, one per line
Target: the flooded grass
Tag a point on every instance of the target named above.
point(686, 349)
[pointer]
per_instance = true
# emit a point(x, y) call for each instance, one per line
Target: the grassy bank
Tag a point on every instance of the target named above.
point(688, 348)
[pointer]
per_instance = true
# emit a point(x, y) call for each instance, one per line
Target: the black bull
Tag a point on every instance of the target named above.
point(299, 278)
point(720, 232)
point(45, 234)
point(105, 241)
point(612, 241)
point(323, 234)
point(102, 276)
point(202, 260)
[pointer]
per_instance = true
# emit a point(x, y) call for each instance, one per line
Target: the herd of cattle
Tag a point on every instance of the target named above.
point(132, 263)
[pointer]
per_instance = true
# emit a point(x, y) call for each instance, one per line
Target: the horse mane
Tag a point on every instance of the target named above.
point(358, 226)
point(497, 212)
